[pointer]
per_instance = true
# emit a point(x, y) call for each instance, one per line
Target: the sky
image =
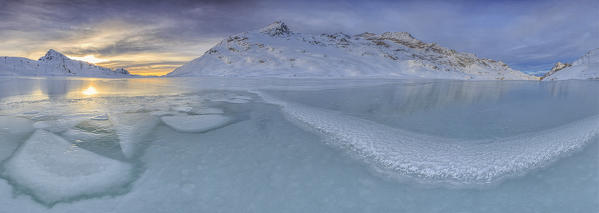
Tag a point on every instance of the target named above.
point(154, 37)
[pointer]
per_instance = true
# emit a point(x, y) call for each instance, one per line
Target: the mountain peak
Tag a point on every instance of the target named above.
point(277, 28)
point(53, 55)
point(400, 36)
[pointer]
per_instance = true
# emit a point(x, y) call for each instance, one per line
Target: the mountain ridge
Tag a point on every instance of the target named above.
point(54, 63)
point(276, 51)
point(585, 67)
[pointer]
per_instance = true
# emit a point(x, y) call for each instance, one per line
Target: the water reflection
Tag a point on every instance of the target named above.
point(91, 90)
point(447, 108)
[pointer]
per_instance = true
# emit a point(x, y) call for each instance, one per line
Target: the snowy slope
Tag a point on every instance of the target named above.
point(55, 64)
point(276, 51)
point(586, 67)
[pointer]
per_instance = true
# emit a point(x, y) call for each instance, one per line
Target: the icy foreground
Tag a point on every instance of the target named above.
point(53, 170)
point(206, 145)
point(276, 51)
point(586, 67)
point(55, 64)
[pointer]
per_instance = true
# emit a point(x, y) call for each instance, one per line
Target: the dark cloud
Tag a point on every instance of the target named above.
point(528, 35)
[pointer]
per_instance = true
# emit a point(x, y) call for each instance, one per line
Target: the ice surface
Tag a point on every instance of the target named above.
point(266, 163)
point(195, 123)
point(202, 111)
point(182, 108)
point(444, 160)
point(100, 117)
point(15, 125)
point(12, 131)
point(53, 170)
point(58, 125)
point(131, 129)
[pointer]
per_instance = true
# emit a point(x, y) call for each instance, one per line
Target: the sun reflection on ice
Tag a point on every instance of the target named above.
point(91, 90)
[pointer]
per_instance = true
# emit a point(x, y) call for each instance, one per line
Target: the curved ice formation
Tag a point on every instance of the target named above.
point(52, 170)
point(442, 160)
point(195, 123)
point(131, 128)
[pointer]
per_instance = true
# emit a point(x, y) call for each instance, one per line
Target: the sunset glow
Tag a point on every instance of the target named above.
point(91, 90)
point(89, 59)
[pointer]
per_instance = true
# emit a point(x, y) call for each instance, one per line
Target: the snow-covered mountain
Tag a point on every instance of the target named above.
point(276, 51)
point(55, 64)
point(586, 67)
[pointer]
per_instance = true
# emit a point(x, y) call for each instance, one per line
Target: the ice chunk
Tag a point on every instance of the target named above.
point(13, 130)
point(105, 143)
point(163, 113)
point(52, 170)
point(100, 117)
point(204, 111)
point(182, 108)
point(234, 100)
point(195, 123)
point(131, 129)
point(58, 125)
point(77, 135)
point(15, 125)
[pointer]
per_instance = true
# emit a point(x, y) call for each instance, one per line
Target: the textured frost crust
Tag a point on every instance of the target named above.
point(443, 160)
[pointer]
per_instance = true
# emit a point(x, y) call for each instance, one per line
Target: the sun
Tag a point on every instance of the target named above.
point(90, 59)
point(91, 90)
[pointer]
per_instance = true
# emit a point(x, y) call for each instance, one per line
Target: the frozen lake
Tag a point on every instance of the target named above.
point(217, 145)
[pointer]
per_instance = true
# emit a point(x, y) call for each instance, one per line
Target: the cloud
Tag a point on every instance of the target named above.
point(527, 35)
